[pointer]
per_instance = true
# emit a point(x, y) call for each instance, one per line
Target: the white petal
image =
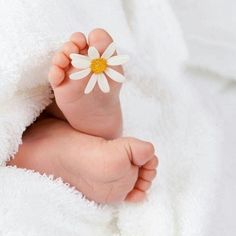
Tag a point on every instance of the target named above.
point(91, 84)
point(93, 53)
point(114, 75)
point(110, 50)
point(80, 63)
point(74, 56)
point(117, 60)
point(103, 83)
point(80, 75)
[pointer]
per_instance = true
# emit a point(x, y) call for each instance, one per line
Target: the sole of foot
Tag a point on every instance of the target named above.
point(96, 113)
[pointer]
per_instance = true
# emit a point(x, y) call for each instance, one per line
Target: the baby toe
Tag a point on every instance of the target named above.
point(143, 185)
point(56, 75)
point(142, 152)
point(136, 196)
point(147, 175)
point(99, 39)
point(152, 164)
point(69, 47)
point(79, 40)
point(61, 60)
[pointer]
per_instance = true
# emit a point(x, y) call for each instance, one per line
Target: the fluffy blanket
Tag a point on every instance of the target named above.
point(185, 136)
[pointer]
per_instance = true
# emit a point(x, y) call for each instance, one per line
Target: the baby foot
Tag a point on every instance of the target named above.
point(110, 171)
point(96, 113)
point(104, 171)
point(125, 169)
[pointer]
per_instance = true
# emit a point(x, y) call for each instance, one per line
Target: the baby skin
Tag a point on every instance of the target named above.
point(79, 140)
point(95, 113)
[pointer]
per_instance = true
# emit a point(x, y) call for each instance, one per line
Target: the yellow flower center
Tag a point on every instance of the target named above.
point(98, 65)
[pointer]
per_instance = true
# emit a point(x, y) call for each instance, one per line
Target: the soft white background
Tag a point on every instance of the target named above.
point(189, 177)
point(210, 32)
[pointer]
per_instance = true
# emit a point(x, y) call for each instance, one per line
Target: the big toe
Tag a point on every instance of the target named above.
point(140, 152)
point(99, 39)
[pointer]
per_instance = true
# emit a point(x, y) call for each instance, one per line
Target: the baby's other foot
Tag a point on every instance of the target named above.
point(104, 171)
point(96, 113)
point(113, 171)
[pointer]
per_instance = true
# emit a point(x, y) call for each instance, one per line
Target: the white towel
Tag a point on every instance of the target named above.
point(185, 136)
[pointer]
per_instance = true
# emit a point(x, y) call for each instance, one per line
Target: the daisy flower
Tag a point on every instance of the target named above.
point(98, 67)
